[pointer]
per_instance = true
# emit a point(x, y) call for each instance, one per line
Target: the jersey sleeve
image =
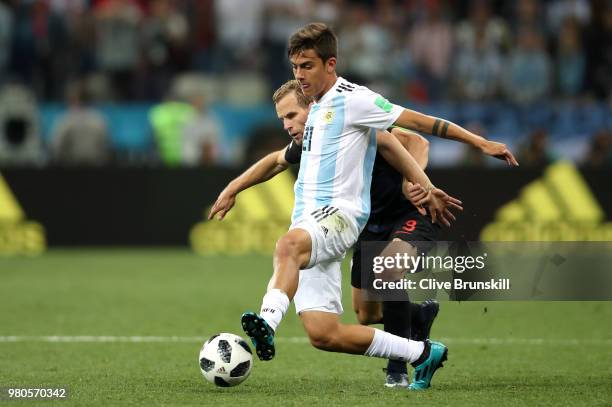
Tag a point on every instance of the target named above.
point(369, 109)
point(293, 153)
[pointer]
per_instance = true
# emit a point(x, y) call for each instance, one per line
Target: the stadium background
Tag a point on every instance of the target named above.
point(121, 121)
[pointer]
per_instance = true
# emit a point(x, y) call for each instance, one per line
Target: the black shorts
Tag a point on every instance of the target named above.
point(411, 227)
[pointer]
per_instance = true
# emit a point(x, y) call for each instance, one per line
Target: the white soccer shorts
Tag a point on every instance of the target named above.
point(320, 285)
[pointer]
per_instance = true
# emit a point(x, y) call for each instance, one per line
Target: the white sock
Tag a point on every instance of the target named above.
point(274, 306)
point(389, 346)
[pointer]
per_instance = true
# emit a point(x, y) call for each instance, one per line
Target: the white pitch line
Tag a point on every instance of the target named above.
point(291, 339)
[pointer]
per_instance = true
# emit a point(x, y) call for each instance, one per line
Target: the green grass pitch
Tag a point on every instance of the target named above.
point(501, 353)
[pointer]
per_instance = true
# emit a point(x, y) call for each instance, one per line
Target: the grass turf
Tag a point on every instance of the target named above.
point(505, 353)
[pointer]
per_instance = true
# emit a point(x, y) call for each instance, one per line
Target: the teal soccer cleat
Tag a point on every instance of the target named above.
point(261, 334)
point(423, 373)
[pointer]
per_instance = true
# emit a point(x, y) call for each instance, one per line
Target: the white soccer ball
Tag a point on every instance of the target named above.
point(226, 360)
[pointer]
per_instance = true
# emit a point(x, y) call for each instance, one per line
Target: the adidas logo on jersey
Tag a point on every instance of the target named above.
point(323, 212)
point(345, 87)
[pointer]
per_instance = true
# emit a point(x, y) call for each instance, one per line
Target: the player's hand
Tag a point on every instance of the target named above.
point(414, 193)
point(224, 203)
point(499, 151)
point(439, 204)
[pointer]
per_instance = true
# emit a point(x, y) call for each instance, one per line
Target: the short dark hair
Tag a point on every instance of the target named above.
point(316, 36)
point(287, 88)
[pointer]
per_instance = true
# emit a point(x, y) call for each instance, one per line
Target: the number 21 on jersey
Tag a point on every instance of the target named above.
point(307, 138)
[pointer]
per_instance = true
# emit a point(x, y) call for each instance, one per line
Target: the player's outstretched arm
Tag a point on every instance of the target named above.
point(264, 169)
point(445, 129)
point(437, 201)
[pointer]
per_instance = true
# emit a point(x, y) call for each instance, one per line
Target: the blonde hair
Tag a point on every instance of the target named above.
point(288, 87)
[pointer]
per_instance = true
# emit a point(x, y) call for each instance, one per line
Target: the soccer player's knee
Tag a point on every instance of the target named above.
point(368, 316)
point(362, 317)
point(365, 317)
point(288, 246)
point(367, 313)
point(322, 338)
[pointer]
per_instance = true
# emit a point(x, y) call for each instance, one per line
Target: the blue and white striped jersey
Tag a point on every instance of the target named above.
point(338, 150)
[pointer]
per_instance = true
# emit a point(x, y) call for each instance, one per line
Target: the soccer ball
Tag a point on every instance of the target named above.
point(226, 360)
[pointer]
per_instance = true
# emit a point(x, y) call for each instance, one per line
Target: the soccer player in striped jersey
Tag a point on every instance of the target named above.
point(388, 218)
point(292, 108)
point(333, 205)
point(392, 218)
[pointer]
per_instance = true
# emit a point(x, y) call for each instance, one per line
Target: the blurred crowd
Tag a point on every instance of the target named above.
point(523, 50)
point(520, 52)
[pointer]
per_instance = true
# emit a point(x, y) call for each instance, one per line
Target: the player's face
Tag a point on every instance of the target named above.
point(293, 116)
point(315, 76)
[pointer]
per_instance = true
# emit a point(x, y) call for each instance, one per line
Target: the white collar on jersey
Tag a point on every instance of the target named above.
point(331, 91)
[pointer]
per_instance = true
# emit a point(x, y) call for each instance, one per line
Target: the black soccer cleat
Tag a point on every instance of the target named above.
point(396, 380)
point(427, 314)
point(261, 334)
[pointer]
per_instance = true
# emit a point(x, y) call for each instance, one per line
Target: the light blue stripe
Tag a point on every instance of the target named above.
point(330, 144)
point(368, 164)
point(298, 189)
